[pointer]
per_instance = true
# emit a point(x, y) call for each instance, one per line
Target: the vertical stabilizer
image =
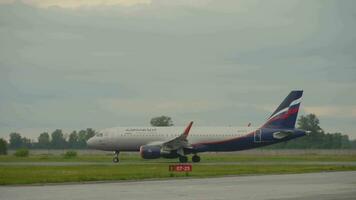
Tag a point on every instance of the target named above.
point(286, 114)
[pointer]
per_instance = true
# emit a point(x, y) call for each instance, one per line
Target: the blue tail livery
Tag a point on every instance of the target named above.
point(285, 115)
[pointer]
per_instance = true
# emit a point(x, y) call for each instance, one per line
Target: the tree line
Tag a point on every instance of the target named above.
point(317, 138)
point(56, 140)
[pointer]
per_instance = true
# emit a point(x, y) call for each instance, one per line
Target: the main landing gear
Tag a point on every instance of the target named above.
point(115, 159)
point(196, 158)
point(184, 159)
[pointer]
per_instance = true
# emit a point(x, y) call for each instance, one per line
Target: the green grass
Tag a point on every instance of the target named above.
point(57, 174)
point(205, 158)
point(275, 158)
point(135, 168)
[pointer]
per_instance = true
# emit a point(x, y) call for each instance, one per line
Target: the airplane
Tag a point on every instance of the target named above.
point(170, 142)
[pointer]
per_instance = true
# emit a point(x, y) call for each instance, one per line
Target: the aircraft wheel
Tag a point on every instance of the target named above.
point(183, 159)
point(116, 157)
point(196, 158)
point(115, 160)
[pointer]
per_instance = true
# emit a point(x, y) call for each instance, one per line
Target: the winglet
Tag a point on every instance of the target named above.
point(186, 131)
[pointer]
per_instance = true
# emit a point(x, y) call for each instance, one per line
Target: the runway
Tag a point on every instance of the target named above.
point(328, 185)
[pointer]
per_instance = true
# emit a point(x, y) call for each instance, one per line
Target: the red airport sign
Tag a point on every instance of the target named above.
point(180, 168)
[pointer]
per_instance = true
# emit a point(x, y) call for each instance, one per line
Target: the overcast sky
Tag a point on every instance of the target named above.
point(74, 64)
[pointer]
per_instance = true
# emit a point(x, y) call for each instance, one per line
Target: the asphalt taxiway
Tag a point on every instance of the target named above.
point(327, 185)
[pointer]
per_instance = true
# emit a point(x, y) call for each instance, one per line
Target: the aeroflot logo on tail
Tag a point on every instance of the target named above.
point(295, 102)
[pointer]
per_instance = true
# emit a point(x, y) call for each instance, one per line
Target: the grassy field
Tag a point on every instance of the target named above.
point(57, 174)
point(210, 157)
point(14, 170)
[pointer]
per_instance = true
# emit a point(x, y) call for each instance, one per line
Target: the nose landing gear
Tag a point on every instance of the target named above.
point(116, 157)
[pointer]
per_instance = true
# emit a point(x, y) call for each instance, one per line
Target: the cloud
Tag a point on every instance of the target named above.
point(220, 62)
point(332, 111)
point(6, 1)
point(120, 106)
point(74, 4)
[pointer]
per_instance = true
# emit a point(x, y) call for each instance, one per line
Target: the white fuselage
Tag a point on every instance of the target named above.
point(131, 138)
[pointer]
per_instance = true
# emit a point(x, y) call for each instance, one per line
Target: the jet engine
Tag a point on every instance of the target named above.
point(153, 152)
point(150, 152)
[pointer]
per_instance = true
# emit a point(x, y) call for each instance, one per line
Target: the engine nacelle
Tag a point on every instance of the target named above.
point(150, 152)
point(153, 152)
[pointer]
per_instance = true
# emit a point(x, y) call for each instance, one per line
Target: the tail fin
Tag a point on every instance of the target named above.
point(286, 113)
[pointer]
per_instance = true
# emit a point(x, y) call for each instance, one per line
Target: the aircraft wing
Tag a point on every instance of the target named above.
point(178, 143)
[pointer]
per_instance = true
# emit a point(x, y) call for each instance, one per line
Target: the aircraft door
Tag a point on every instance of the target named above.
point(258, 136)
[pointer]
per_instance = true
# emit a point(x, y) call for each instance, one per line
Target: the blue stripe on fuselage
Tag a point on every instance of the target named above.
point(247, 142)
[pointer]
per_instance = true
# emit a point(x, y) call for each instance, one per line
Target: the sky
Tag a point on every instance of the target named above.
point(73, 64)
